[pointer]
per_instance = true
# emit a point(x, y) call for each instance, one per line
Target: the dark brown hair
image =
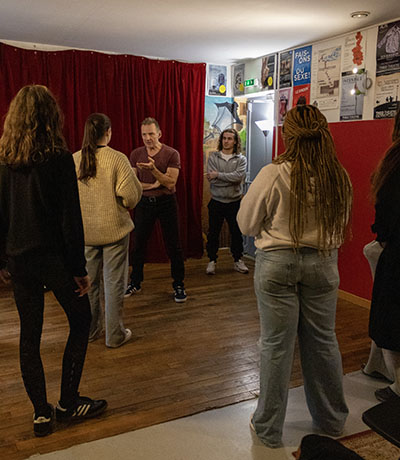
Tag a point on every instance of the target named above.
point(96, 126)
point(238, 144)
point(314, 166)
point(32, 128)
point(390, 162)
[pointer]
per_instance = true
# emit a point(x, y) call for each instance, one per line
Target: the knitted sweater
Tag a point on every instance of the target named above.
point(265, 209)
point(106, 198)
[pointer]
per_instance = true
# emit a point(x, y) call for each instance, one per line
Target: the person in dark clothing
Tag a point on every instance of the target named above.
point(41, 242)
point(157, 166)
point(384, 322)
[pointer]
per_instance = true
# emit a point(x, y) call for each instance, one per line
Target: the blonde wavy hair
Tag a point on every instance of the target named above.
point(314, 167)
point(32, 128)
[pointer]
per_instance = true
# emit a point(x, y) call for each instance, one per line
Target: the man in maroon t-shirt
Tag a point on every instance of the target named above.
point(157, 167)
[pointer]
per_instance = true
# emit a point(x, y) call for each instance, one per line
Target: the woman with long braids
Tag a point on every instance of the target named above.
point(384, 322)
point(298, 208)
point(108, 188)
point(41, 241)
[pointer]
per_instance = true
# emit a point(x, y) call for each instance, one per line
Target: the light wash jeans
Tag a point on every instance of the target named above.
point(113, 258)
point(296, 294)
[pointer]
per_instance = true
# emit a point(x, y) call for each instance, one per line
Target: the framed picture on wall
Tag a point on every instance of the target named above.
point(217, 80)
point(268, 71)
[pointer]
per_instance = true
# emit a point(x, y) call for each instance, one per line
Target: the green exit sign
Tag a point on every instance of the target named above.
point(249, 82)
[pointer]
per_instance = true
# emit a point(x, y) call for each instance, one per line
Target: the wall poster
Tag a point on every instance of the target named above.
point(387, 93)
point(285, 69)
point(238, 79)
point(388, 49)
point(217, 80)
point(301, 94)
point(285, 103)
point(326, 68)
point(352, 99)
point(268, 71)
point(354, 52)
point(302, 66)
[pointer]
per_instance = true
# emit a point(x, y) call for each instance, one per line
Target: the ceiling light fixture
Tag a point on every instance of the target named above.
point(360, 14)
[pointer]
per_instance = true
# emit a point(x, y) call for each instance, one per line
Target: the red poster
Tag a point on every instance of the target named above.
point(301, 91)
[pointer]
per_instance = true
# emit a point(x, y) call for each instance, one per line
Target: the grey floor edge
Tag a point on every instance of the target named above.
point(222, 434)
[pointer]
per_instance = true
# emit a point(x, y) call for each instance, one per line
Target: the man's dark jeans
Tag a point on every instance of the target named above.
point(147, 212)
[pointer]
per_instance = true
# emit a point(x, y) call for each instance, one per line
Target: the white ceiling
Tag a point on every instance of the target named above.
point(216, 31)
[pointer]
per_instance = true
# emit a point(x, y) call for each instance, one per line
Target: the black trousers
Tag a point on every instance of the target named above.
point(147, 212)
point(30, 272)
point(217, 212)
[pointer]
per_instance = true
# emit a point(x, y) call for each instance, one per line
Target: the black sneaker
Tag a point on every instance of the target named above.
point(132, 289)
point(83, 408)
point(43, 424)
point(180, 294)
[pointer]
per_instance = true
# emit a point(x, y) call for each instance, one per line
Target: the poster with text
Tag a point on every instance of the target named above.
point(326, 67)
point(217, 80)
point(302, 66)
point(238, 79)
point(301, 94)
point(268, 72)
point(285, 103)
point(387, 93)
point(354, 52)
point(388, 49)
point(285, 69)
point(352, 98)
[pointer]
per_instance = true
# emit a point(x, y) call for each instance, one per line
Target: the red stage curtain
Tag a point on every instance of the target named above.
point(128, 89)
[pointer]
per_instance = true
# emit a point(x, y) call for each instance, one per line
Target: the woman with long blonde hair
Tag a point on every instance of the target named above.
point(297, 209)
point(41, 241)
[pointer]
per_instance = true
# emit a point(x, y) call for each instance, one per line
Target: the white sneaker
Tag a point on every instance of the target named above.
point(128, 336)
point(240, 267)
point(210, 270)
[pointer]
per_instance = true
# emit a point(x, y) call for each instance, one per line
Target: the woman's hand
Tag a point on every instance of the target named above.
point(5, 276)
point(83, 283)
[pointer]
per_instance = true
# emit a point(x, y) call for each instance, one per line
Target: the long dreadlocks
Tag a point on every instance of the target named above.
point(317, 178)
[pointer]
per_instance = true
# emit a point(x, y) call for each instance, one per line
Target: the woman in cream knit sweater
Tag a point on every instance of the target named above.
point(108, 189)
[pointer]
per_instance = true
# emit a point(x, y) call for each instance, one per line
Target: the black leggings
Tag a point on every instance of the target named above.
point(30, 272)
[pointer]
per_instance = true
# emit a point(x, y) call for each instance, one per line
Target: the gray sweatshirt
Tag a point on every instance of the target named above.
point(228, 186)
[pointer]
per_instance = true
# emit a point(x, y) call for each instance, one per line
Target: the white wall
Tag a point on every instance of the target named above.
point(253, 70)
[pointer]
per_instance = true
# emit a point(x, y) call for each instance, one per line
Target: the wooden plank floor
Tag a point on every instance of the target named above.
point(185, 358)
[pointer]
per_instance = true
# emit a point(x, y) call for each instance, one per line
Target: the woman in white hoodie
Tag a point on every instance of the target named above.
point(298, 208)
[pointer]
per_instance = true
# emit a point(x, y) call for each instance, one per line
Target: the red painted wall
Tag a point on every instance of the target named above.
point(359, 145)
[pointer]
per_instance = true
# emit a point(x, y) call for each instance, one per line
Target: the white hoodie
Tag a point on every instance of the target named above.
point(265, 209)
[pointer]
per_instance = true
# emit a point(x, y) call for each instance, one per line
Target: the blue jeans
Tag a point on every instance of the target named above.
point(113, 259)
point(296, 295)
